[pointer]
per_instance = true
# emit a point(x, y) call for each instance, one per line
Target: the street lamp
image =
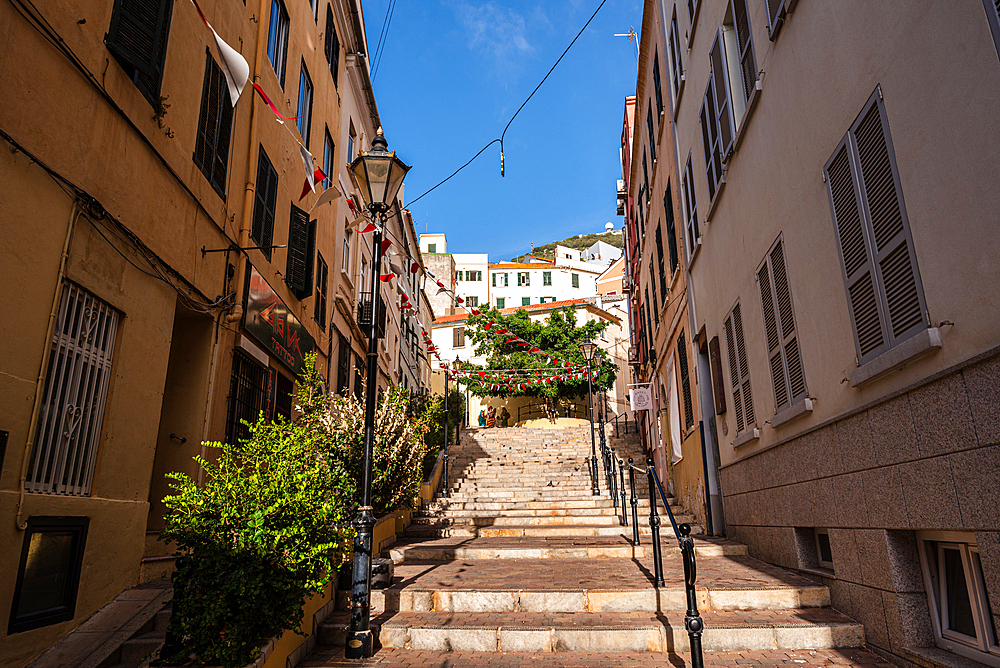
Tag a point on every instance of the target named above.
point(378, 174)
point(589, 349)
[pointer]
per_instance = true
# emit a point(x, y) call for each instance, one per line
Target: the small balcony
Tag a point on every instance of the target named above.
point(365, 315)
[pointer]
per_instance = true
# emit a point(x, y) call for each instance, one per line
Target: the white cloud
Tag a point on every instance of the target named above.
point(494, 31)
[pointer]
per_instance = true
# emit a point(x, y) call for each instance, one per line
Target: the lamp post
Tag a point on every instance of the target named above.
point(589, 349)
point(378, 174)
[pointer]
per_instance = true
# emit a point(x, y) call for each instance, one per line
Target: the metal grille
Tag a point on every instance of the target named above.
point(246, 397)
point(76, 388)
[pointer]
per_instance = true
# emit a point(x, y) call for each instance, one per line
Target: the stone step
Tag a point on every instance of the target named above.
point(458, 502)
point(446, 519)
point(608, 510)
point(142, 647)
point(328, 656)
point(439, 531)
point(605, 547)
point(603, 632)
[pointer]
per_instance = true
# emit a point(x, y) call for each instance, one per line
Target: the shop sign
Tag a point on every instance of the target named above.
point(640, 399)
point(267, 319)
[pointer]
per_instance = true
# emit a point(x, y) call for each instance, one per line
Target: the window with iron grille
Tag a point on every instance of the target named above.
point(76, 388)
point(783, 354)
point(690, 209)
point(332, 45)
point(668, 208)
point(277, 39)
point(265, 200)
point(322, 278)
point(656, 82)
point(137, 37)
point(343, 366)
point(300, 263)
point(878, 262)
point(651, 131)
point(215, 123)
point(246, 396)
point(682, 357)
point(739, 371)
point(304, 122)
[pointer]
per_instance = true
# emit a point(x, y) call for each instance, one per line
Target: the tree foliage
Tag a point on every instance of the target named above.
point(558, 336)
point(578, 242)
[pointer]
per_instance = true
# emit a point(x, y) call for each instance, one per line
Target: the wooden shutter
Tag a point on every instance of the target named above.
point(211, 150)
point(322, 277)
point(298, 265)
point(652, 132)
point(343, 365)
point(265, 200)
point(682, 354)
point(744, 40)
point(668, 207)
point(775, 17)
point(659, 258)
point(739, 372)
point(656, 81)
point(719, 85)
point(136, 31)
point(332, 46)
point(873, 237)
point(783, 353)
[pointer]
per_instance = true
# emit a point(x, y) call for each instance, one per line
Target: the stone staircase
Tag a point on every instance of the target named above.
point(520, 564)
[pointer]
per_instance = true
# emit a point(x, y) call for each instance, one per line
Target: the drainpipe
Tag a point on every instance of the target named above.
point(36, 407)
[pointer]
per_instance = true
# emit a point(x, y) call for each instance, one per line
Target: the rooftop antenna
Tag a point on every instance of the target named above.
point(633, 36)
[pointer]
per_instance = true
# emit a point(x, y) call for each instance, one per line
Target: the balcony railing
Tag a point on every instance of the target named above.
point(365, 315)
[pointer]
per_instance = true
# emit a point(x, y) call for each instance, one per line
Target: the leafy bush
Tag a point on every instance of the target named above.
point(256, 539)
point(428, 413)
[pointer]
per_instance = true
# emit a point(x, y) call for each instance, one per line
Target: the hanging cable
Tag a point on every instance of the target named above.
point(378, 56)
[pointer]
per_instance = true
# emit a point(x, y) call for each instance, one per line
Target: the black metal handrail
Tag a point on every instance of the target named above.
point(693, 622)
point(624, 416)
point(531, 411)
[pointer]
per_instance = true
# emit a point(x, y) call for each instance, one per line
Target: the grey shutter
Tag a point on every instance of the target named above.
point(734, 374)
point(691, 207)
point(720, 87)
point(265, 199)
point(739, 371)
point(876, 250)
point(993, 16)
point(298, 248)
point(783, 353)
point(748, 411)
point(744, 39)
point(674, 53)
point(710, 138)
point(685, 381)
point(137, 27)
point(775, 17)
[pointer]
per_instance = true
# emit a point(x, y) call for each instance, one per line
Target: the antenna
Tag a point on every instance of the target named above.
point(632, 36)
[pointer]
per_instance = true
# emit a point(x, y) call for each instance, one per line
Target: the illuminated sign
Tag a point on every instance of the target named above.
point(267, 319)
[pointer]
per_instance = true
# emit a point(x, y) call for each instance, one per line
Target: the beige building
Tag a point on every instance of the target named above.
point(170, 275)
point(841, 243)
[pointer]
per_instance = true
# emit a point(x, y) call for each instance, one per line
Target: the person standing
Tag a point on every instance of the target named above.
point(504, 416)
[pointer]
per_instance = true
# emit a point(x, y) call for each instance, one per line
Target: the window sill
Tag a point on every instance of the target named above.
point(959, 656)
point(676, 102)
point(792, 413)
point(751, 105)
point(694, 252)
point(694, 22)
point(819, 571)
point(748, 436)
point(924, 343)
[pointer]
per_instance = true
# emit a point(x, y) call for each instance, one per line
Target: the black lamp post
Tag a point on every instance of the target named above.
point(378, 174)
point(589, 349)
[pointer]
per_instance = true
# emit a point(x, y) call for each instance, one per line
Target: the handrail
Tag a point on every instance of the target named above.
point(539, 410)
point(621, 415)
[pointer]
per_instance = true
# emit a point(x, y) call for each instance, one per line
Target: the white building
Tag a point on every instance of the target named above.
point(516, 284)
point(471, 271)
point(599, 253)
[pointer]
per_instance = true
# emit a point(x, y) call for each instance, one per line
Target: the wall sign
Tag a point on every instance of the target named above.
point(267, 319)
point(640, 399)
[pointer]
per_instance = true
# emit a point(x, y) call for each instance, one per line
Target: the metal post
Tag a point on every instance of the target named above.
point(692, 620)
point(594, 489)
point(635, 504)
point(654, 523)
point(621, 488)
point(359, 639)
point(613, 480)
point(444, 458)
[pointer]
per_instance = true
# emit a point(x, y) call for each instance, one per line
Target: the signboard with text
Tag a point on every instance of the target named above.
point(267, 319)
point(640, 399)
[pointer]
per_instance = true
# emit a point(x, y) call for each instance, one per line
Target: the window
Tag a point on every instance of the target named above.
point(575, 278)
point(501, 302)
point(739, 371)
point(711, 142)
point(300, 263)
point(674, 54)
point(246, 396)
point(283, 389)
point(690, 209)
point(327, 158)
point(523, 278)
point(668, 208)
point(359, 376)
point(873, 235)
point(824, 552)
point(49, 573)
point(346, 261)
point(458, 337)
point(740, 57)
point(215, 122)
point(960, 607)
point(546, 278)
point(304, 123)
point(993, 15)
point(473, 275)
point(652, 286)
point(776, 10)
point(432, 248)
point(322, 277)
point(343, 365)
point(779, 328)
point(651, 131)
point(265, 199)
point(645, 186)
point(682, 357)
point(525, 301)
point(352, 139)
point(656, 82)
point(137, 37)
point(277, 40)
point(501, 281)
point(331, 46)
point(314, 5)
point(472, 301)
point(659, 260)
point(692, 7)
point(76, 387)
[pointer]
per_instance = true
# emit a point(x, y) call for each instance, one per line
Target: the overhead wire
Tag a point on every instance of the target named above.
point(504, 133)
point(381, 51)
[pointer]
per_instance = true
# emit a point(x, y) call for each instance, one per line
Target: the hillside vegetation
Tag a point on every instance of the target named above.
point(576, 243)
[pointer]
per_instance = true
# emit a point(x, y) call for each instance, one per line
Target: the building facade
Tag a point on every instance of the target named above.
point(847, 333)
point(175, 272)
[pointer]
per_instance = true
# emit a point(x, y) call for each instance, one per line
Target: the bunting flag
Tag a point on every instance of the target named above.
point(234, 66)
point(328, 196)
point(256, 87)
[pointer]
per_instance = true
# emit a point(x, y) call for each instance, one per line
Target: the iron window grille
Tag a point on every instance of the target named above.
point(246, 396)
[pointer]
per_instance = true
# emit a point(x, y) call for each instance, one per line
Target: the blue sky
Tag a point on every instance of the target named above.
point(452, 73)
